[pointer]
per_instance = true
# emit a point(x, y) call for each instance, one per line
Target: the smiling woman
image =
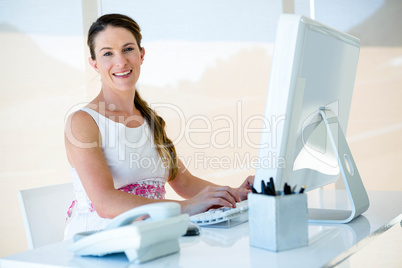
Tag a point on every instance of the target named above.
point(101, 139)
point(116, 53)
point(118, 59)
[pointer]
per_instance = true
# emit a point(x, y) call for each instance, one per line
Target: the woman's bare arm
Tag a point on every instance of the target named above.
point(84, 152)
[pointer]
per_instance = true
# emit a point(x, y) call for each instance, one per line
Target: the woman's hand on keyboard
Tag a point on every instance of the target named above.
point(211, 196)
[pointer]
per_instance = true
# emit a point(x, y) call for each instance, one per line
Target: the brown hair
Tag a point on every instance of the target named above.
point(116, 20)
point(164, 145)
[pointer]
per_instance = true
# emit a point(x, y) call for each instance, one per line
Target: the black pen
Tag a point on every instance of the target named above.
point(253, 190)
point(289, 189)
point(263, 187)
point(268, 189)
point(271, 180)
point(302, 189)
point(285, 187)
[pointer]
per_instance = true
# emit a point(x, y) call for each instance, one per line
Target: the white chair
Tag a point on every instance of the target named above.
point(44, 211)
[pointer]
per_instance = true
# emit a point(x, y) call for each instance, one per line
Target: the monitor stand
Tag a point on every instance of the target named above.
point(354, 186)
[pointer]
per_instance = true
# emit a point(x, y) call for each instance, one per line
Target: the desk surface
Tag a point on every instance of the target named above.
point(328, 244)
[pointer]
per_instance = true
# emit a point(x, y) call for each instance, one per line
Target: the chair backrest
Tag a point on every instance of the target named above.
point(44, 211)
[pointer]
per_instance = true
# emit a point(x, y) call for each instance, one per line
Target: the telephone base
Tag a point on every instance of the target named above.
point(141, 255)
point(141, 241)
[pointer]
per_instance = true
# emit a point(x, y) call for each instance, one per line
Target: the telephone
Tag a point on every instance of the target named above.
point(141, 241)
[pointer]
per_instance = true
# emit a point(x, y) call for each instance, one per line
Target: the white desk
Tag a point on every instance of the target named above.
point(230, 247)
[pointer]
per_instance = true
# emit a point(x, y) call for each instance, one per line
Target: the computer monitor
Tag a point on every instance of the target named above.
point(307, 110)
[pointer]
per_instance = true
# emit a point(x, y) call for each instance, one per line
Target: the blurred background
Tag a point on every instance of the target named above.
point(206, 71)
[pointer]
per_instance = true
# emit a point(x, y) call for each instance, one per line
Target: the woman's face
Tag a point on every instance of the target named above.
point(118, 59)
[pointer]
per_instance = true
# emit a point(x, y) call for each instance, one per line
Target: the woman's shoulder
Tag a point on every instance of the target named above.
point(80, 124)
point(85, 114)
point(81, 132)
point(82, 116)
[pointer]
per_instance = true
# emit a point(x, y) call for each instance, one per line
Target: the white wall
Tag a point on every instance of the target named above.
point(209, 60)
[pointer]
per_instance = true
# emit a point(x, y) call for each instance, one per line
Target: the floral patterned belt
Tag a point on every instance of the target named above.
point(148, 188)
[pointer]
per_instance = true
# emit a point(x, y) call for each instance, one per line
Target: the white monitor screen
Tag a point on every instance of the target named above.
point(313, 66)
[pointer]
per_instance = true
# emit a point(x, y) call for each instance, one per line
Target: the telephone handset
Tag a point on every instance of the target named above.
point(159, 211)
point(141, 241)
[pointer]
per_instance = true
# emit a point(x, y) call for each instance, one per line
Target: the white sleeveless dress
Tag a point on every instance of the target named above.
point(134, 163)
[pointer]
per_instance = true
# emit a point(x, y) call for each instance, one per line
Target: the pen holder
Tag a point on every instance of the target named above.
point(279, 222)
